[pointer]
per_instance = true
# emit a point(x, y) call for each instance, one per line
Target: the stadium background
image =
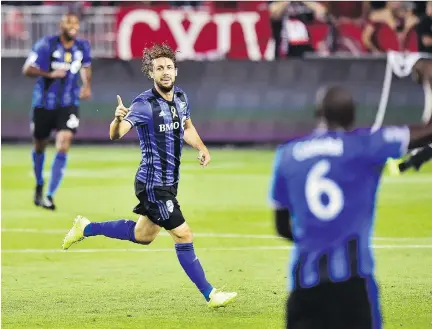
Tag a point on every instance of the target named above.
point(234, 86)
point(239, 95)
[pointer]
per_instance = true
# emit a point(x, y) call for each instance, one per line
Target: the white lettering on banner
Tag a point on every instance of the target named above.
point(224, 23)
point(248, 22)
point(126, 27)
point(186, 39)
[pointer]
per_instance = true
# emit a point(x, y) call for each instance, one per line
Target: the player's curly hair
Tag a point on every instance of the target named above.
point(156, 51)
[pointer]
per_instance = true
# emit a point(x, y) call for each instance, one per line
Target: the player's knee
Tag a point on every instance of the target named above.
point(144, 242)
point(143, 237)
point(40, 146)
point(182, 234)
point(63, 143)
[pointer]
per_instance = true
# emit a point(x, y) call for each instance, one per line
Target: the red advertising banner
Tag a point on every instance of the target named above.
point(207, 35)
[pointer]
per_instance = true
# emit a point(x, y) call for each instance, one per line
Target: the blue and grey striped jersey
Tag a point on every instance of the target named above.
point(49, 54)
point(160, 128)
point(329, 182)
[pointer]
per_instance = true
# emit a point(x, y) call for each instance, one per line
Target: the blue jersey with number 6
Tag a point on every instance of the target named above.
point(328, 180)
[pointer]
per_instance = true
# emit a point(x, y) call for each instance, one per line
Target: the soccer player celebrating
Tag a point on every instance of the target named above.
point(56, 62)
point(162, 120)
point(324, 187)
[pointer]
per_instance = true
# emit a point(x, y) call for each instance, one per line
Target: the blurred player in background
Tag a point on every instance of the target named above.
point(57, 62)
point(324, 188)
point(162, 119)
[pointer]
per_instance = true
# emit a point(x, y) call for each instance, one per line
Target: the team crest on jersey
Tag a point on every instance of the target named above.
point(170, 205)
point(67, 57)
point(183, 106)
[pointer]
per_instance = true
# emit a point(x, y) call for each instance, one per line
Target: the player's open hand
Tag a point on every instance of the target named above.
point(58, 74)
point(85, 92)
point(121, 110)
point(204, 157)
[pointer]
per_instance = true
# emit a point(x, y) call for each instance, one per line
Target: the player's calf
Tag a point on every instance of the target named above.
point(63, 142)
point(142, 232)
point(38, 157)
point(184, 247)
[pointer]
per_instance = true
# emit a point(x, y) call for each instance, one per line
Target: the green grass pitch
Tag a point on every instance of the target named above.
point(103, 283)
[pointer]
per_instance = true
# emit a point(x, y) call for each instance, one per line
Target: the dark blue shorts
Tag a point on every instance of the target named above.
point(159, 204)
point(45, 121)
point(352, 304)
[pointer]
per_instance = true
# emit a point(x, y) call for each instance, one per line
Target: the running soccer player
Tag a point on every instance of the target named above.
point(324, 189)
point(57, 62)
point(162, 120)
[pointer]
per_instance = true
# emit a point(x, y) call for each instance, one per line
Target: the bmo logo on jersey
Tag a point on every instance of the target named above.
point(169, 126)
point(70, 62)
point(172, 126)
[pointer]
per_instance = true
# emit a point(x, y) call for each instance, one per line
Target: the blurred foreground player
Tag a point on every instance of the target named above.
point(324, 189)
point(56, 61)
point(162, 120)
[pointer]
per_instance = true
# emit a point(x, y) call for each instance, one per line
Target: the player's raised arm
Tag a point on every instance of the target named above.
point(119, 126)
point(192, 137)
point(138, 114)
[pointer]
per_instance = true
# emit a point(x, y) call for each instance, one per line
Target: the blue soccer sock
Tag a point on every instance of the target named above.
point(57, 171)
point(38, 164)
point(192, 266)
point(121, 229)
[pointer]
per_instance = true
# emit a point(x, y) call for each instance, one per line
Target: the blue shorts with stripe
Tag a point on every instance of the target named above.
point(352, 304)
point(159, 204)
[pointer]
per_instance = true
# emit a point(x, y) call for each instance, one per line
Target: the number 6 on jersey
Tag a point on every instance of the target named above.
point(317, 185)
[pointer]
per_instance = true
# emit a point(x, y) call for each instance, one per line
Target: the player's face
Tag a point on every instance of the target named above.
point(70, 26)
point(164, 73)
point(429, 8)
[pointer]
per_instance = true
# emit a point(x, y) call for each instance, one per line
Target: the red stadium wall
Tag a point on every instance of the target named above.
point(216, 33)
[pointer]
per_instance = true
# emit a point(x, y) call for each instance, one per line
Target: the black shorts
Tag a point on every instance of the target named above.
point(159, 204)
point(44, 121)
point(352, 304)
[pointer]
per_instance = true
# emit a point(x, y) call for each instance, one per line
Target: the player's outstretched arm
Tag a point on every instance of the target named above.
point(192, 137)
point(34, 72)
point(119, 127)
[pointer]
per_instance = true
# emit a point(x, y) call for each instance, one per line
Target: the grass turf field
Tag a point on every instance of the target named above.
point(103, 283)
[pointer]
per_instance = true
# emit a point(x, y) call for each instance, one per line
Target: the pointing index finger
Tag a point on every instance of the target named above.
point(119, 100)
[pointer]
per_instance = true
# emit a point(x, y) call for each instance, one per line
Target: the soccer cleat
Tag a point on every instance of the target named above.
point(48, 203)
point(38, 199)
point(76, 233)
point(220, 298)
point(393, 166)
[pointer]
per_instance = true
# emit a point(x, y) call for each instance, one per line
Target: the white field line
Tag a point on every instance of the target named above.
point(258, 248)
point(109, 173)
point(209, 235)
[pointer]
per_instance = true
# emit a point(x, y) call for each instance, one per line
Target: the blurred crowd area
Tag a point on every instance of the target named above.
point(298, 27)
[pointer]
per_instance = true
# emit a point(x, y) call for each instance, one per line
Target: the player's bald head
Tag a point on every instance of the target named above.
point(69, 25)
point(336, 106)
point(66, 17)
